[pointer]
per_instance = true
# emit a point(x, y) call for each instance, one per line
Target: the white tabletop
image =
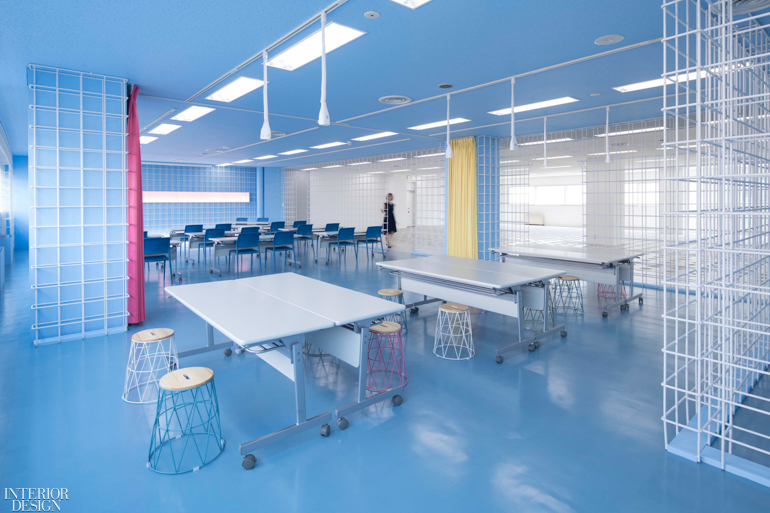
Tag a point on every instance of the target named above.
point(589, 254)
point(339, 304)
point(495, 275)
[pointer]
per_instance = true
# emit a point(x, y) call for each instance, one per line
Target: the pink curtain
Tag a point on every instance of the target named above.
point(135, 218)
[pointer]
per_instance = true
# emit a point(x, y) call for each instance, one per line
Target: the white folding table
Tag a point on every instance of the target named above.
point(501, 288)
point(273, 316)
point(608, 266)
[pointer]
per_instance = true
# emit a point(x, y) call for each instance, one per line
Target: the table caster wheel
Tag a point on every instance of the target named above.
point(326, 430)
point(249, 461)
point(531, 347)
point(563, 333)
point(228, 351)
point(499, 359)
point(605, 314)
point(343, 423)
point(414, 310)
point(397, 400)
point(641, 301)
point(537, 344)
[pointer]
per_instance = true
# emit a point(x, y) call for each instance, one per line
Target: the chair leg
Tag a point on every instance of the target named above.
point(355, 250)
point(259, 258)
point(171, 271)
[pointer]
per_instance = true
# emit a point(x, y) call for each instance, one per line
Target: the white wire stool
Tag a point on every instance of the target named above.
point(533, 318)
point(454, 336)
point(152, 355)
point(568, 295)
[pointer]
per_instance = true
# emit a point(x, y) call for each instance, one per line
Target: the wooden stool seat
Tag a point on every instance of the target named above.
point(152, 335)
point(186, 379)
point(454, 308)
point(390, 292)
point(385, 327)
point(569, 278)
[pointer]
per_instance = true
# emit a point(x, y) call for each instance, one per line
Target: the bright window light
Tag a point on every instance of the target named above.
point(328, 145)
point(533, 106)
point(235, 89)
point(392, 160)
point(564, 139)
point(265, 157)
point(374, 136)
point(555, 158)
point(429, 155)
point(437, 124)
point(309, 49)
point(292, 152)
point(194, 197)
point(242, 161)
point(164, 128)
point(358, 163)
point(611, 153)
point(224, 165)
point(412, 4)
point(146, 139)
point(192, 113)
point(637, 131)
point(332, 167)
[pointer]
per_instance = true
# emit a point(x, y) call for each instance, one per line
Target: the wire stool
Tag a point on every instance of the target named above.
point(454, 336)
point(397, 296)
point(608, 291)
point(186, 435)
point(152, 354)
point(385, 357)
point(533, 318)
point(568, 295)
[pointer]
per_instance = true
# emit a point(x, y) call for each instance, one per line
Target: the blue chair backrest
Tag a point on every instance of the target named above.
point(247, 240)
point(374, 232)
point(276, 225)
point(224, 226)
point(145, 234)
point(332, 227)
point(263, 219)
point(157, 246)
point(241, 219)
point(213, 233)
point(193, 228)
point(250, 229)
point(283, 239)
point(346, 234)
point(305, 230)
point(297, 224)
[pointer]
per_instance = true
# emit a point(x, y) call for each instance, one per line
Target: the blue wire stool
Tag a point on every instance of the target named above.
point(187, 434)
point(397, 296)
point(568, 295)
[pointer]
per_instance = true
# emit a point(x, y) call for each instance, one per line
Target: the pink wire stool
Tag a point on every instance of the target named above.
point(385, 358)
point(608, 291)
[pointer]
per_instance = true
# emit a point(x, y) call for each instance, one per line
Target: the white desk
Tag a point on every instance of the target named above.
point(501, 288)
point(608, 266)
point(273, 316)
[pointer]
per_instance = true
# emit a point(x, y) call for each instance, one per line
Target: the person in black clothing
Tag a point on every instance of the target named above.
point(389, 220)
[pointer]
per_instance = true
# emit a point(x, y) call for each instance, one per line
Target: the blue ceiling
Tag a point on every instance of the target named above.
point(174, 49)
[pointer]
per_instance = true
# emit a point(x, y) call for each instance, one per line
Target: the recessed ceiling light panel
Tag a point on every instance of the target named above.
point(309, 49)
point(437, 124)
point(291, 152)
point(392, 159)
point(533, 106)
point(374, 136)
point(265, 157)
point(146, 139)
point(192, 113)
point(242, 161)
point(164, 128)
point(328, 145)
point(412, 4)
point(235, 89)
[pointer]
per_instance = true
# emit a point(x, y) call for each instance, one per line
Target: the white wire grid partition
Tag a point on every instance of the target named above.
point(6, 204)
point(352, 193)
point(717, 237)
point(77, 227)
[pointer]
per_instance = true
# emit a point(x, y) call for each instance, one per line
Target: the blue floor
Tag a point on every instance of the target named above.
point(574, 426)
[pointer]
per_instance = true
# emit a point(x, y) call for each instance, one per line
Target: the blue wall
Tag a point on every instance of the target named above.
point(271, 193)
point(21, 202)
point(159, 217)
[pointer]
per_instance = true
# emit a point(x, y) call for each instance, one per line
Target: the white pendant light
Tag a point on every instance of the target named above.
point(514, 143)
point(545, 141)
point(607, 139)
point(323, 116)
point(266, 132)
point(448, 153)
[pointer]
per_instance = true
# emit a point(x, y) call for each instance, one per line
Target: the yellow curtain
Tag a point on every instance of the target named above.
point(463, 237)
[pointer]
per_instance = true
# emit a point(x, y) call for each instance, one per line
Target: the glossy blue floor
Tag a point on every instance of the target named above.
point(574, 426)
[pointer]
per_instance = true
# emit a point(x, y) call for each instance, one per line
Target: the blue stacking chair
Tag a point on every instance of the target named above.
point(305, 234)
point(345, 237)
point(158, 249)
point(276, 225)
point(145, 234)
point(282, 241)
point(263, 219)
point(297, 224)
point(373, 236)
point(211, 233)
point(332, 227)
point(224, 226)
point(250, 229)
point(241, 219)
point(246, 244)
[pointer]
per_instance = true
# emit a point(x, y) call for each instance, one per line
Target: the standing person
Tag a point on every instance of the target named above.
point(389, 220)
